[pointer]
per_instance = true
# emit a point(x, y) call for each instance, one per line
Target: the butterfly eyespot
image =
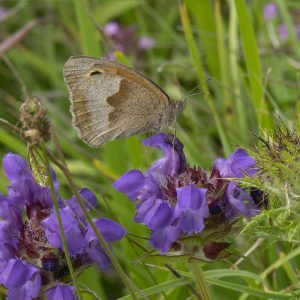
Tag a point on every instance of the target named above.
point(96, 72)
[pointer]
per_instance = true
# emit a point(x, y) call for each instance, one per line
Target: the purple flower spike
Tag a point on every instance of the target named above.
point(37, 239)
point(270, 11)
point(238, 164)
point(194, 208)
point(61, 292)
point(173, 160)
point(175, 200)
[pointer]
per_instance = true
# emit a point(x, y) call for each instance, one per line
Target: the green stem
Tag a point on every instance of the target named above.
point(200, 280)
point(61, 230)
point(191, 43)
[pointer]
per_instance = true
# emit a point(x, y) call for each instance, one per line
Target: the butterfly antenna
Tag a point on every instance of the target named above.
point(194, 88)
point(16, 75)
point(189, 94)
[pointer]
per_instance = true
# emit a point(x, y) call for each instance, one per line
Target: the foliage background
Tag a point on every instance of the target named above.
point(248, 79)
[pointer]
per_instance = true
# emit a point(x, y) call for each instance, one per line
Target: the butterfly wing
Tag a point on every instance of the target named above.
point(110, 100)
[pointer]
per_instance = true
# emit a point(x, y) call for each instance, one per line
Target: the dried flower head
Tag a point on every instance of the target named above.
point(35, 126)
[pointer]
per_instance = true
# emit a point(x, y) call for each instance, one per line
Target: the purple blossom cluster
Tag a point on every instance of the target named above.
point(32, 259)
point(175, 200)
point(270, 13)
point(124, 40)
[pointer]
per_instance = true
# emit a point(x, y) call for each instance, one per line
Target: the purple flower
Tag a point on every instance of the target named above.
point(137, 185)
point(270, 11)
point(125, 39)
point(112, 29)
point(238, 202)
point(283, 31)
point(192, 203)
point(3, 13)
point(61, 292)
point(111, 232)
point(121, 37)
point(146, 43)
point(22, 279)
point(238, 164)
point(73, 232)
point(31, 251)
point(163, 239)
point(159, 215)
point(173, 160)
point(174, 200)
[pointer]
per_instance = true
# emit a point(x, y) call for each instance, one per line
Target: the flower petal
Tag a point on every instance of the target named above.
point(191, 221)
point(159, 216)
point(97, 254)
point(111, 231)
point(17, 273)
point(237, 165)
point(173, 160)
point(238, 202)
point(164, 238)
point(73, 233)
point(191, 197)
point(61, 292)
point(130, 183)
point(15, 168)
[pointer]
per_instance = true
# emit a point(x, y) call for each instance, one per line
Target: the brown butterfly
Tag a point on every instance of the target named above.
point(110, 100)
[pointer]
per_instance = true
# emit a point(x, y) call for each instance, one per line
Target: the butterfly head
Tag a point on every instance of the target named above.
point(176, 107)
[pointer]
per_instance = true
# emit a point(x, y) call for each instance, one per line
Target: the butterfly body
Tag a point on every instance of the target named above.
point(110, 100)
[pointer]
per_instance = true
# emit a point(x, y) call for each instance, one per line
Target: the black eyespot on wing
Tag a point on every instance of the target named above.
point(96, 72)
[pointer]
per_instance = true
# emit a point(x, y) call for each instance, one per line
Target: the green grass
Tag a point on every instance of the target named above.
point(246, 83)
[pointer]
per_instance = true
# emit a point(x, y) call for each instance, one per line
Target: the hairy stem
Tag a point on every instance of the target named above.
point(200, 280)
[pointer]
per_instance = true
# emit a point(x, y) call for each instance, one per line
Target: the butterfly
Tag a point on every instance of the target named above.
point(110, 100)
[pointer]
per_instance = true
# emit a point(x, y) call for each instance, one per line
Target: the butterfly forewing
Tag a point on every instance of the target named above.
point(110, 100)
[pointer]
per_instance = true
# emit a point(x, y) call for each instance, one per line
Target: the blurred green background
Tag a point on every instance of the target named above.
point(242, 62)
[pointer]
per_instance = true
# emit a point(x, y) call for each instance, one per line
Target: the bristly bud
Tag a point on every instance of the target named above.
point(35, 126)
point(278, 176)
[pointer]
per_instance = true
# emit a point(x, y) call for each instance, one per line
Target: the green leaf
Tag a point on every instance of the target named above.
point(159, 288)
point(251, 291)
point(253, 65)
point(87, 32)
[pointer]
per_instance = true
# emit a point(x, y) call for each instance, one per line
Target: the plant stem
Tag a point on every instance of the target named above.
point(64, 168)
point(61, 230)
point(200, 280)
